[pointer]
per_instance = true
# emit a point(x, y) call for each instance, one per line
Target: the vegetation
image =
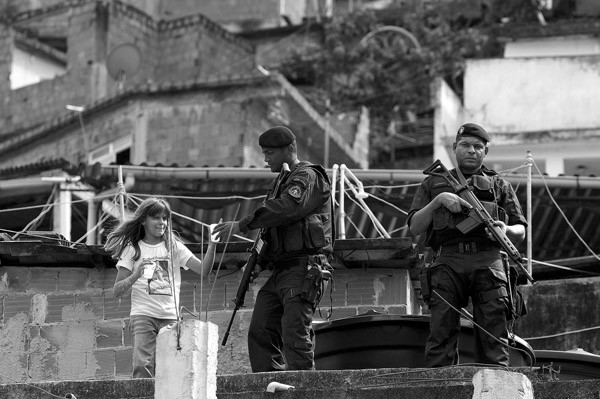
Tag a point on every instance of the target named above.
point(387, 61)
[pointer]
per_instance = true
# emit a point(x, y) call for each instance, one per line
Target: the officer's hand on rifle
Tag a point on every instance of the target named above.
point(498, 223)
point(224, 231)
point(453, 202)
point(255, 272)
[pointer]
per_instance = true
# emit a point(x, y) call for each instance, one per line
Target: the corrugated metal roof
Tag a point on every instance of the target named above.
point(211, 194)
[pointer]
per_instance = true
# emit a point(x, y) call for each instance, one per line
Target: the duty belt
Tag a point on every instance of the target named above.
point(470, 247)
point(286, 263)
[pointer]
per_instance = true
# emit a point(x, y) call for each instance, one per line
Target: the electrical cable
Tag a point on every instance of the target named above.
point(466, 315)
point(563, 214)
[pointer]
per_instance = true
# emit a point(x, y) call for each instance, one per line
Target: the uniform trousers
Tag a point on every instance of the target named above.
point(456, 277)
point(280, 336)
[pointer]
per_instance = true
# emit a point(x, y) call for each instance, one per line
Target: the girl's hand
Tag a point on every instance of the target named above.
point(139, 272)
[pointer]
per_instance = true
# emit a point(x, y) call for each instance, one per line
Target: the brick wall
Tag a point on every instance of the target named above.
point(178, 50)
point(130, 25)
point(6, 45)
point(205, 128)
point(224, 10)
point(197, 48)
point(65, 324)
point(42, 102)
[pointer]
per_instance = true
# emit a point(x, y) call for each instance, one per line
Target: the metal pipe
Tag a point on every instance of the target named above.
point(122, 194)
point(529, 216)
point(342, 232)
point(389, 175)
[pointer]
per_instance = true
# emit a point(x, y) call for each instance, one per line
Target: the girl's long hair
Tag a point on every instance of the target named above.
point(132, 231)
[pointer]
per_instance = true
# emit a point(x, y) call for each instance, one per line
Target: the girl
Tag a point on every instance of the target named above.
point(147, 243)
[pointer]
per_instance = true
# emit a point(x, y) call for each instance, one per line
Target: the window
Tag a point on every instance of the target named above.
point(118, 151)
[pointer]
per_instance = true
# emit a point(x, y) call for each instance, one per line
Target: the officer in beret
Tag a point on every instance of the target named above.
point(466, 265)
point(296, 225)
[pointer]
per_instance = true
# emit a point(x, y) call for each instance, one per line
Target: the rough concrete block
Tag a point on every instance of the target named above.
point(370, 309)
point(123, 362)
point(105, 358)
point(44, 280)
point(109, 334)
point(393, 289)
point(14, 305)
point(13, 279)
point(191, 371)
point(56, 306)
point(93, 304)
point(337, 292)
point(127, 337)
point(55, 334)
point(115, 308)
point(101, 278)
point(71, 279)
point(402, 309)
point(186, 297)
point(341, 313)
point(360, 291)
point(493, 384)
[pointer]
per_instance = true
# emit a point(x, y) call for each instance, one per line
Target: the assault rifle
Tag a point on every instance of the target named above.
point(478, 215)
point(251, 268)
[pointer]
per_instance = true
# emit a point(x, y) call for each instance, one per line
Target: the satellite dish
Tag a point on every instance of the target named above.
point(123, 61)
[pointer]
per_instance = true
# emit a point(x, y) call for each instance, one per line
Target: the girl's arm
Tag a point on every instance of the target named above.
point(125, 280)
point(203, 266)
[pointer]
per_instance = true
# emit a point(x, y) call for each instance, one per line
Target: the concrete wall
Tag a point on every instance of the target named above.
point(185, 49)
point(238, 14)
point(553, 47)
point(562, 306)
point(447, 116)
point(206, 128)
point(532, 94)
point(65, 324)
point(546, 105)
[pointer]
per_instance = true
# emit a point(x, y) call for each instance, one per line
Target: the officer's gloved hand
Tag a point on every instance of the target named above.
point(255, 272)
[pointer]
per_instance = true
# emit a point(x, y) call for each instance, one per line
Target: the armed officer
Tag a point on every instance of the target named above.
point(467, 265)
point(297, 228)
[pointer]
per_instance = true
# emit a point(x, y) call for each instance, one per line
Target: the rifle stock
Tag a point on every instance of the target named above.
point(478, 215)
point(256, 252)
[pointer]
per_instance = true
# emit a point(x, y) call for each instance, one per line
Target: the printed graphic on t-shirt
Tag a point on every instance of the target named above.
point(160, 284)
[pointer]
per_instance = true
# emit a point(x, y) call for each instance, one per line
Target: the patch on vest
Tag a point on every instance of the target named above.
point(295, 192)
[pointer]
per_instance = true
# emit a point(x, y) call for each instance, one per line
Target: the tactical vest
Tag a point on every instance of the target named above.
point(443, 227)
point(314, 234)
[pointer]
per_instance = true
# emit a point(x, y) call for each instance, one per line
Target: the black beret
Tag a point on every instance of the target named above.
point(276, 137)
point(472, 129)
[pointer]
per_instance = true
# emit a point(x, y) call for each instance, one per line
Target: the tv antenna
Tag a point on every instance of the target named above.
point(122, 62)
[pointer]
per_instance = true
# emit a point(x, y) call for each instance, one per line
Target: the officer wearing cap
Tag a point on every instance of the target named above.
point(296, 225)
point(466, 265)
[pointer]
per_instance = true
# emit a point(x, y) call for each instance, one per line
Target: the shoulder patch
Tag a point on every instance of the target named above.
point(295, 191)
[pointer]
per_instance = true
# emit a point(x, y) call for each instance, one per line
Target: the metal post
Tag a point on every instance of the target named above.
point(62, 212)
point(327, 134)
point(91, 221)
point(529, 215)
point(122, 194)
point(342, 233)
point(334, 174)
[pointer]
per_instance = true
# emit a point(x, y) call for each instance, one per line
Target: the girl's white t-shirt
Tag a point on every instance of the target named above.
point(155, 297)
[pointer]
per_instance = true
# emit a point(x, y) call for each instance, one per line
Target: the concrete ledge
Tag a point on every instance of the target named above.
point(454, 382)
point(96, 389)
